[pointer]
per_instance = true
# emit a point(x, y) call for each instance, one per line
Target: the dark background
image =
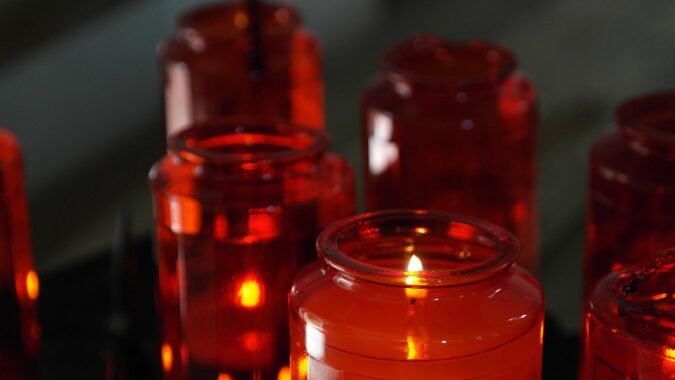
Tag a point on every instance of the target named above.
point(80, 87)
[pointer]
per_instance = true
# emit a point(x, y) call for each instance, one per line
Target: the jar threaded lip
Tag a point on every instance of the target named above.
point(503, 244)
point(433, 61)
point(230, 141)
point(649, 119)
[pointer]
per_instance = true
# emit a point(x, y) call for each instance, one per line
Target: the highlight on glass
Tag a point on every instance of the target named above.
point(19, 283)
point(632, 188)
point(240, 59)
point(452, 127)
point(416, 295)
point(238, 207)
point(630, 324)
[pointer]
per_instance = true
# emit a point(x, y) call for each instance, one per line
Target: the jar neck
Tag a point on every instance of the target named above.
point(647, 123)
point(429, 62)
point(408, 248)
point(249, 146)
point(228, 22)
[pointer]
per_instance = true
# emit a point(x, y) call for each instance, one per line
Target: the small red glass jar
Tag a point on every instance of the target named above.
point(453, 127)
point(19, 284)
point(632, 187)
point(238, 207)
point(630, 324)
point(416, 295)
point(229, 60)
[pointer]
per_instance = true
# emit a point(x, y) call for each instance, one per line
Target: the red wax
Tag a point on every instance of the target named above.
point(19, 284)
point(632, 187)
point(457, 309)
point(238, 207)
point(453, 127)
point(630, 324)
point(226, 60)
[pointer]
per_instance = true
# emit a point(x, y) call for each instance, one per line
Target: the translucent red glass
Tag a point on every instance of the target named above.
point(228, 59)
point(416, 295)
point(630, 324)
point(632, 187)
point(238, 207)
point(453, 127)
point(19, 284)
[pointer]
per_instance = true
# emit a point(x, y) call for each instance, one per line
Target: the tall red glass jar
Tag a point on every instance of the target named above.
point(19, 283)
point(238, 207)
point(630, 324)
point(631, 210)
point(229, 59)
point(416, 295)
point(453, 127)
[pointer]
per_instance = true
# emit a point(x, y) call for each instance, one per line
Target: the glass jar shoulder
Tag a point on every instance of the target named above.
point(463, 320)
point(613, 159)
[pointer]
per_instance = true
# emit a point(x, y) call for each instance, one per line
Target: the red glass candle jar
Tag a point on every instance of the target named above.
point(453, 127)
point(630, 324)
point(632, 187)
point(416, 295)
point(234, 60)
point(19, 284)
point(238, 207)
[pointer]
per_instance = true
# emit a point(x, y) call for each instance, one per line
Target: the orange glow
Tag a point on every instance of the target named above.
point(263, 223)
point(303, 367)
point(284, 373)
point(253, 341)
point(421, 230)
point(241, 22)
point(461, 231)
point(670, 354)
point(414, 265)
point(412, 349)
point(225, 376)
point(32, 285)
point(541, 334)
point(250, 293)
point(167, 357)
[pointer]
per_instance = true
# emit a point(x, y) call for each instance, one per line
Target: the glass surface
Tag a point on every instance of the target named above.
point(632, 188)
point(416, 295)
point(453, 127)
point(230, 59)
point(238, 207)
point(19, 283)
point(630, 324)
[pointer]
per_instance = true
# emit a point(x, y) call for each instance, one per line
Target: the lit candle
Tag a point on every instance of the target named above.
point(19, 283)
point(238, 208)
point(415, 295)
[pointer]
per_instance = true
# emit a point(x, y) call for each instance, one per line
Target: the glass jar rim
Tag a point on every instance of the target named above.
point(192, 21)
point(504, 244)
point(198, 142)
point(498, 61)
point(616, 284)
point(627, 114)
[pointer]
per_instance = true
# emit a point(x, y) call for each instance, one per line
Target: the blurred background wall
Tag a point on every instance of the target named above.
point(80, 86)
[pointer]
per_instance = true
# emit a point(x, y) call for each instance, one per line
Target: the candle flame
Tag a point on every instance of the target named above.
point(414, 265)
point(32, 285)
point(167, 357)
point(250, 293)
